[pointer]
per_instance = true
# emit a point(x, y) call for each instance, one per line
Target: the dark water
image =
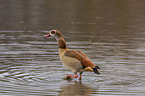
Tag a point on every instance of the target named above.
point(110, 32)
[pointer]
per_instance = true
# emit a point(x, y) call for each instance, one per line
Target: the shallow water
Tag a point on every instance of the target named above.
point(110, 32)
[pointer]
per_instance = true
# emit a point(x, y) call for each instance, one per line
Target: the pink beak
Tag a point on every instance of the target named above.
point(47, 35)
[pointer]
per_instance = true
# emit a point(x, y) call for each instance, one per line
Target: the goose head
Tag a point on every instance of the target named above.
point(55, 34)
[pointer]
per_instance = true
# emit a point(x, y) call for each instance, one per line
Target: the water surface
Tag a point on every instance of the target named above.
point(110, 32)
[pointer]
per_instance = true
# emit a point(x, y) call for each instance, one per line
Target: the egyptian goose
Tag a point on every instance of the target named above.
point(75, 60)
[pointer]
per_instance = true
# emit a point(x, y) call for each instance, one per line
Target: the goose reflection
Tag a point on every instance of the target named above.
point(76, 89)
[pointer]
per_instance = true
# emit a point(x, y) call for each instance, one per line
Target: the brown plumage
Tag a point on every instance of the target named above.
point(85, 61)
point(75, 60)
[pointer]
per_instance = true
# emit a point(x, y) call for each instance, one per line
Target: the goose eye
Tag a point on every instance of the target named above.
point(52, 32)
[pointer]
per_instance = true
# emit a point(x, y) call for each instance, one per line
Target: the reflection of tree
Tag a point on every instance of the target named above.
point(76, 89)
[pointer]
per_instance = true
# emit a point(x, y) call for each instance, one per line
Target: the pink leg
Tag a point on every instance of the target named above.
point(69, 76)
point(80, 78)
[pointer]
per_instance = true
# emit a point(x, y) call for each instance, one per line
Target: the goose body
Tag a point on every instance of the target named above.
point(71, 63)
point(74, 60)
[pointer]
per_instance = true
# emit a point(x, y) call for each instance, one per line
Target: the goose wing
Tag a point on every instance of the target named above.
point(85, 61)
